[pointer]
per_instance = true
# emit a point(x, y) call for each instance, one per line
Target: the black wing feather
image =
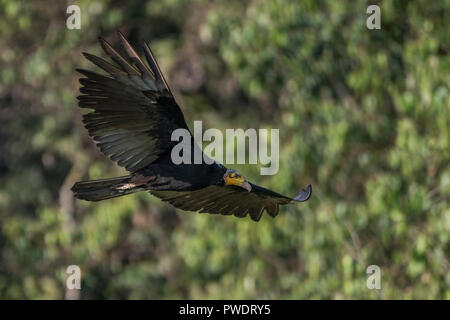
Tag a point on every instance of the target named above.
point(216, 200)
point(134, 111)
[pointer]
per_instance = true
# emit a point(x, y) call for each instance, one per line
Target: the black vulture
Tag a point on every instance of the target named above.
point(134, 116)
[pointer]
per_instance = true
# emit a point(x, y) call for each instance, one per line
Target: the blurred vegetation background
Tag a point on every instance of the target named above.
point(363, 115)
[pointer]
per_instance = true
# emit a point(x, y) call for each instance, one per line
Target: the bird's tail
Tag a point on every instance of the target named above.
point(96, 190)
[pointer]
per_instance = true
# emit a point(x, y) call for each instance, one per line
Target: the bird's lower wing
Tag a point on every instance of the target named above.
point(230, 200)
point(216, 200)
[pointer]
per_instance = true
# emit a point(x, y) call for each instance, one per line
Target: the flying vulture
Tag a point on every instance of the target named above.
point(134, 116)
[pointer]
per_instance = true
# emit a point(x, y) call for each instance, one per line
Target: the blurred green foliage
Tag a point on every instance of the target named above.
point(363, 115)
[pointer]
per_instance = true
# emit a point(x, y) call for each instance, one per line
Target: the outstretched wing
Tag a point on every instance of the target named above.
point(134, 111)
point(230, 200)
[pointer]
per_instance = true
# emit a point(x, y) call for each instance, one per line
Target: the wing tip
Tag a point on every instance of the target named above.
point(304, 194)
point(82, 71)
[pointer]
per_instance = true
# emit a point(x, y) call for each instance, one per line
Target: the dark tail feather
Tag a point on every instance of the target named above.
point(96, 190)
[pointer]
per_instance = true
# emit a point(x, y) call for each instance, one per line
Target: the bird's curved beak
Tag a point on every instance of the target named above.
point(238, 181)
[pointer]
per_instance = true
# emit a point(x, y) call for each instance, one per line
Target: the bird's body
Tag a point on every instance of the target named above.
point(182, 176)
point(134, 117)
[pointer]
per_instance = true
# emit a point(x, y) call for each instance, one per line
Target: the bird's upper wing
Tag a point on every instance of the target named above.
point(134, 111)
point(229, 200)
